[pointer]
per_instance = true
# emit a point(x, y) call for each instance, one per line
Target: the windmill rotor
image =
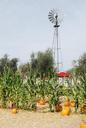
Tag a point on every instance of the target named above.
point(53, 17)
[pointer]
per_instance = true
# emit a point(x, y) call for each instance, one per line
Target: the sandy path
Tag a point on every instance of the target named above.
point(25, 119)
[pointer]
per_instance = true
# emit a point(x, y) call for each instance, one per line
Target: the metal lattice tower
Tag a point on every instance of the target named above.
point(53, 17)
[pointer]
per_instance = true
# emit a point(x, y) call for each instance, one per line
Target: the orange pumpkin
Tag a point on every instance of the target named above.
point(83, 125)
point(14, 110)
point(41, 102)
point(65, 111)
point(67, 103)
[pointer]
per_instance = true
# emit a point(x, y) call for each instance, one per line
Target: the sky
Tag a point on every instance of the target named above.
point(25, 28)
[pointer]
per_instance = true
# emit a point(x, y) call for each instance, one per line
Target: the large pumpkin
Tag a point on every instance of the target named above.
point(65, 111)
point(67, 103)
point(83, 125)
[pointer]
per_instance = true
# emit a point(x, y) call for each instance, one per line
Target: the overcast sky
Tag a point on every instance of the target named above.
point(25, 28)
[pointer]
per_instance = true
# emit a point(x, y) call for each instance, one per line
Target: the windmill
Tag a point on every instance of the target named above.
point(54, 18)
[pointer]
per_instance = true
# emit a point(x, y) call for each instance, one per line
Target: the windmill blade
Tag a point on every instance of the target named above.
point(51, 11)
point(54, 11)
point(52, 19)
point(53, 16)
point(50, 15)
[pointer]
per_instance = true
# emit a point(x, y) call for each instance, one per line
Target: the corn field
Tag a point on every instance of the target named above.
point(24, 93)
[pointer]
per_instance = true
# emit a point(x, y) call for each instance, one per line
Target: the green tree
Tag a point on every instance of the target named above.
point(13, 64)
point(24, 70)
point(6, 62)
point(81, 68)
point(42, 62)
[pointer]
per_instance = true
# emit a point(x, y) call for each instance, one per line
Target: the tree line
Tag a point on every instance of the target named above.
point(41, 64)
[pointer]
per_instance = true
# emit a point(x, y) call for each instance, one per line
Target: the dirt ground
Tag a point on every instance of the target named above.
point(26, 119)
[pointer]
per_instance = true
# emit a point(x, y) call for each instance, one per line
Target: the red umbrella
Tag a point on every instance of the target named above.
point(63, 74)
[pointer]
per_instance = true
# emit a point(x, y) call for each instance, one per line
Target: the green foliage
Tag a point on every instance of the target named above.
point(6, 62)
point(38, 79)
point(78, 83)
point(42, 63)
point(10, 85)
point(24, 70)
point(79, 66)
point(82, 64)
point(82, 91)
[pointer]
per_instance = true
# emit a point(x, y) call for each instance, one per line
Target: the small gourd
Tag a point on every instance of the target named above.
point(14, 111)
